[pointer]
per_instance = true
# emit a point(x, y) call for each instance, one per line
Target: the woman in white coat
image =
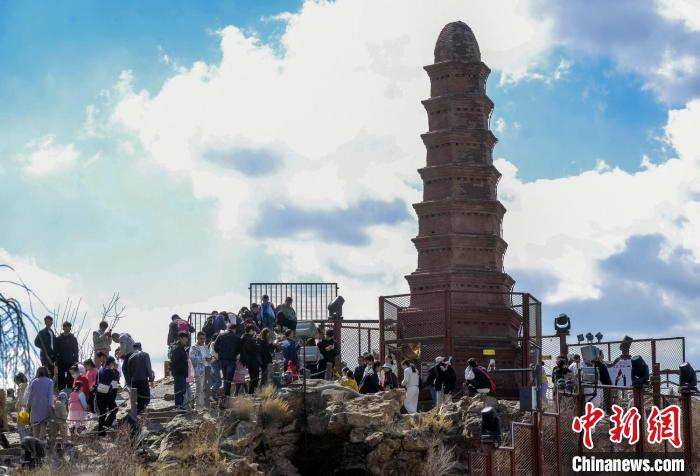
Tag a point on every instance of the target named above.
point(411, 380)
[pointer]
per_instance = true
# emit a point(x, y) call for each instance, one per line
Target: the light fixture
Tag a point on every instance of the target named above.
point(335, 309)
point(589, 338)
point(579, 337)
point(562, 324)
point(490, 426)
point(640, 371)
point(688, 379)
point(599, 336)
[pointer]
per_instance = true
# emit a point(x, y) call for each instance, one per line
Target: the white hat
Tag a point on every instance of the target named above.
point(439, 359)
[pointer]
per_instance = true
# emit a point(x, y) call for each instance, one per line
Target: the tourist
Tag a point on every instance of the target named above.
point(476, 378)
point(251, 358)
point(178, 368)
point(267, 315)
point(369, 365)
point(79, 377)
point(411, 382)
point(91, 375)
point(449, 381)
point(603, 378)
point(228, 346)
point(102, 339)
point(290, 350)
point(560, 374)
point(544, 383)
point(370, 382)
point(67, 354)
point(59, 416)
point(105, 398)
point(20, 381)
point(239, 377)
point(441, 369)
point(574, 367)
point(141, 375)
point(267, 349)
point(77, 406)
point(432, 378)
point(201, 359)
point(328, 349)
point(46, 342)
point(39, 401)
point(347, 379)
point(287, 316)
point(177, 325)
point(101, 360)
point(360, 369)
point(126, 348)
point(215, 370)
point(390, 378)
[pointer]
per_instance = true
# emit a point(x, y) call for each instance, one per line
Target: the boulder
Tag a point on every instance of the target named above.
point(374, 439)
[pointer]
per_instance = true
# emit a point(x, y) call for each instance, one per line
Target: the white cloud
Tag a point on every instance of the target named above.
point(44, 157)
point(500, 125)
point(344, 114)
point(687, 11)
point(565, 226)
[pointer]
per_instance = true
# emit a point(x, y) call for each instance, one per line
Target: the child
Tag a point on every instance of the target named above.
point(77, 405)
point(239, 377)
point(91, 374)
point(348, 380)
point(59, 415)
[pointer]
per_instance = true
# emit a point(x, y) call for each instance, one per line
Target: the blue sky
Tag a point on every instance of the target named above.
point(176, 151)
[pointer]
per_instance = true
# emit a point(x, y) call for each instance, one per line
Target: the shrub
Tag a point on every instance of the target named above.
point(275, 412)
point(439, 460)
point(430, 422)
point(242, 408)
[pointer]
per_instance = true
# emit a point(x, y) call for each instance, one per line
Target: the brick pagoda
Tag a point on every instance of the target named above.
point(460, 245)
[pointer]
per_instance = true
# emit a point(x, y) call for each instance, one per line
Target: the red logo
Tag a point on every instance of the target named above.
point(661, 425)
point(587, 422)
point(665, 425)
point(624, 425)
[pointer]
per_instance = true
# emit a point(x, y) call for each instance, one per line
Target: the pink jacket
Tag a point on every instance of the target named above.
point(75, 403)
point(240, 373)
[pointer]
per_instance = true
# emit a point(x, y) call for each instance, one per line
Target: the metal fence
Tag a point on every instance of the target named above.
point(463, 324)
point(310, 300)
point(666, 352)
point(356, 337)
point(547, 444)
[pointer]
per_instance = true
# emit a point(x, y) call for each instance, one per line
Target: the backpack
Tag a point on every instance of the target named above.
point(208, 328)
point(492, 384)
point(183, 326)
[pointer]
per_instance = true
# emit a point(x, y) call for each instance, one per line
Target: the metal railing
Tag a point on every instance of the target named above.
point(310, 300)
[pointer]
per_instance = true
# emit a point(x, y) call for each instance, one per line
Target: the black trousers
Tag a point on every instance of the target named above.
point(107, 408)
point(143, 394)
point(64, 379)
point(125, 370)
point(254, 374)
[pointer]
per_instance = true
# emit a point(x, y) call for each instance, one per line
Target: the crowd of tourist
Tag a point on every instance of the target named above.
point(229, 356)
point(66, 392)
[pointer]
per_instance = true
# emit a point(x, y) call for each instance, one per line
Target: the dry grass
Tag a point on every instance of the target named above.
point(275, 412)
point(242, 408)
point(439, 460)
point(430, 422)
point(267, 391)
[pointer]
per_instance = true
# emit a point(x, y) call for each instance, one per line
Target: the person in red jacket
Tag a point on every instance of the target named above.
point(78, 377)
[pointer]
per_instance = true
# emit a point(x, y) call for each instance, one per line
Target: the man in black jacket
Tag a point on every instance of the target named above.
point(67, 354)
point(329, 351)
point(141, 375)
point(227, 346)
point(46, 342)
point(250, 357)
point(178, 368)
